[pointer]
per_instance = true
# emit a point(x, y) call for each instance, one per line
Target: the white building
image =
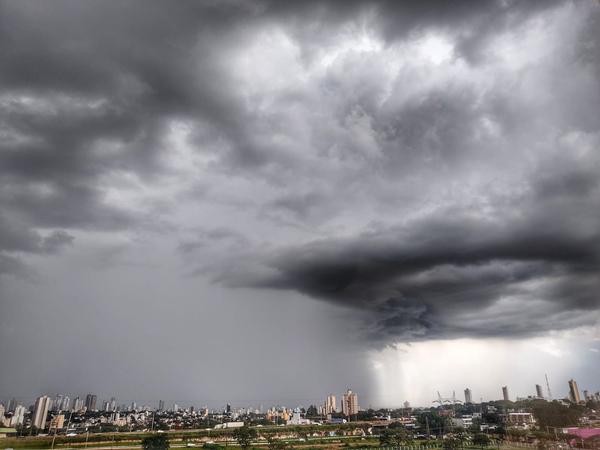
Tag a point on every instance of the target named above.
point(18, 416)
point(522, 420)
point(350, 403)
point(330, 404)
point(229, 425)
point(40, 412)
point(468, 396)
point(77, 404)
point(297, 419)
point(463, 421)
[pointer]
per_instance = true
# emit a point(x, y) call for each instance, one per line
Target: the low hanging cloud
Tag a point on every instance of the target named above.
point(453, 274)
point(524, 262)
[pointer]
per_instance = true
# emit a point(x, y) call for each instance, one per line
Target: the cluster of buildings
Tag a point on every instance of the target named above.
point(329, 409)
point(62, 413)
point(348, 407)
point(65, 414)
point(573, 397)
point(576, 398)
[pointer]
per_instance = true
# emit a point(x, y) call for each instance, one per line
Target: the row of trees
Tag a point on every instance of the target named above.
point(397, 436)
point(244, 436)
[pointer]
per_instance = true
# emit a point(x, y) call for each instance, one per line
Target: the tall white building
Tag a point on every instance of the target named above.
point(330, 404)
point(56, 402)
point(350, 403)
point(468, 396)
point(18, 416)
point(505, 395)
point(77, 404)
point(539, 393)
point(574, 391)
point(60, 403)
point(90, 402)
point(40, 412)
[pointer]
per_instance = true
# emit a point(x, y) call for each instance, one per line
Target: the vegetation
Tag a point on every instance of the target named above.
point(393, 437)
point(481, 440)
point(433, 422)
point(276, 444)
point(555, 414)
point(244, 436)
point(452, 443)
point(155, 442)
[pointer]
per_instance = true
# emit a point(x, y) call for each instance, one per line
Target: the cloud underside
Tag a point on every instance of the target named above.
point(433, 166)
point(449, 276)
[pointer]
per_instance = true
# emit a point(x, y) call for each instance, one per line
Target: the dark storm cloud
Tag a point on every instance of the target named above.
point(13, 266)
point(471, 21)
point(422, 280)
point(525, 269)
point(81, 100)
point(90, 91)
point(56, 241)
point(119, 83)
point(205, 237)
point(17, 238)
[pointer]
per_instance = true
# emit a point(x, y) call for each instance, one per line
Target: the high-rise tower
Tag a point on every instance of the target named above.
point(40, 412)
point(350, 403)
point(468, 397)
point(330, 404)
point(538, 391)
point(574, 391)
point(90, 402)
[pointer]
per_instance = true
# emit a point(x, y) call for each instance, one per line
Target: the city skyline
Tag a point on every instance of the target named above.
point(348, 400)
point(265, 201)
point(60, 415)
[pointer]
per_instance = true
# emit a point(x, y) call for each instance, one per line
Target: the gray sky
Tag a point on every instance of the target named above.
point(264, 202)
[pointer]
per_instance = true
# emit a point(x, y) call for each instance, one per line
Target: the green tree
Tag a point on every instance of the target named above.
point(244, 436)
point(437, 424)
point(452, 443)
point(475, 426)
point(155, 442)
point(212, 446)
point(555, 414)
point(369, 414)
point(276, 444)
point(481, 440)
point(393, 437)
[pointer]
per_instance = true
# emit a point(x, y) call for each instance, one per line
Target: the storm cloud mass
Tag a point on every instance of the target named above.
point(430, 169)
